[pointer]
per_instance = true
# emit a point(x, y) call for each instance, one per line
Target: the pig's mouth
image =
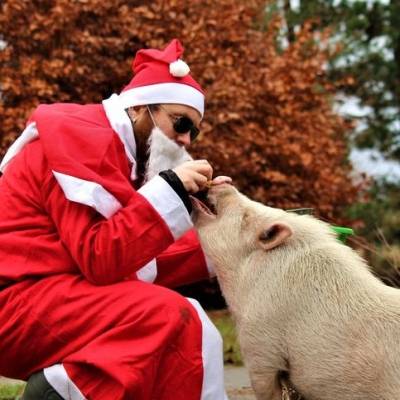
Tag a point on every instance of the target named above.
point(202, 203)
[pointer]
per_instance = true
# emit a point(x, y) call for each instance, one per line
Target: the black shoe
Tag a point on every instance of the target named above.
point(38, 388)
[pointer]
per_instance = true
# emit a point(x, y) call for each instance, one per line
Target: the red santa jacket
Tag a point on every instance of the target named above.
point(68, 204)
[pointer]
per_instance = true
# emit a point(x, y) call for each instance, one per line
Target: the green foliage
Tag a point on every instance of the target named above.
point(365, 41)
point(368, 35)
point(381, 215)
point(11, 391)
point(381, 228)
point(224, 323)
point(269, 122)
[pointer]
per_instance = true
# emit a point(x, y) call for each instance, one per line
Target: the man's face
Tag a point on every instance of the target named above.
point(164, 117)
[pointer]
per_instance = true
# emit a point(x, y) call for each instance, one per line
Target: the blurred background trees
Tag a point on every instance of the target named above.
point(272, 73)
point(269, 121)
point(369, 38)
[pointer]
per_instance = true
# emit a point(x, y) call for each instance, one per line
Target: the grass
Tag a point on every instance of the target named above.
point(223, 321)
point(11, 391)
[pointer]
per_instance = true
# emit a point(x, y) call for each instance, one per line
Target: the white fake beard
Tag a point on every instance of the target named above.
point(164, 154)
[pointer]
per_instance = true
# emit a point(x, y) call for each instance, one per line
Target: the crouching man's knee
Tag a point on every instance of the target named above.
point(38, 388)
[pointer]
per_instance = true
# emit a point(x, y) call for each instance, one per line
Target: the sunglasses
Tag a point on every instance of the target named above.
point(183, 124)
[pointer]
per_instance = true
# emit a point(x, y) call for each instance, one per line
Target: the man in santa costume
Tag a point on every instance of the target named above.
point(95, 229)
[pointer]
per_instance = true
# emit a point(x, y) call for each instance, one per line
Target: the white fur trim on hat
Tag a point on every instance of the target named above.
point(179, 68)
point(163, 93)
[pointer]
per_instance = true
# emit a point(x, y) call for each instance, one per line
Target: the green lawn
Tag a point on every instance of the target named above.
point(223, 321)
point(10, 392)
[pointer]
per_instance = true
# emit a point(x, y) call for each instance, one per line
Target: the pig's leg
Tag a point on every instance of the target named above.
point(265, 384)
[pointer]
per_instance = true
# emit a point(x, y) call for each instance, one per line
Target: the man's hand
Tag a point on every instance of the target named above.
point(194, 174)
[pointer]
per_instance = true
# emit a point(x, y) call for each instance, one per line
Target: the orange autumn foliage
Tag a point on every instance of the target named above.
point(269, 121)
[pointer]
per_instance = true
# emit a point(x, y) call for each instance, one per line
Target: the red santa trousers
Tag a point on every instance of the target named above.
point(128, 340)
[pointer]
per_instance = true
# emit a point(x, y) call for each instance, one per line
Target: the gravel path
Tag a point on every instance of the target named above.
point(237, 384)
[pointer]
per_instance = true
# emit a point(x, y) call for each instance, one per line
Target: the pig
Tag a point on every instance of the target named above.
point(305, 305)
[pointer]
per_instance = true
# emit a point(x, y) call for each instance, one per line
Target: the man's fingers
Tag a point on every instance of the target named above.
point(193, 187)
point(201, 166)
point(204, 169)
point(194, 174)
point(201, 161)
point(201, 180)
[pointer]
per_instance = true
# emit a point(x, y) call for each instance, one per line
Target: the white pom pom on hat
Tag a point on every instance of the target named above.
point(179, 68)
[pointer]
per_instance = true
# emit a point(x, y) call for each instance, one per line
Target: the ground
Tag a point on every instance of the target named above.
point(237, 384)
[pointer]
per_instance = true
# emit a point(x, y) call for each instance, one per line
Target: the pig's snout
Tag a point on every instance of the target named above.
point(218, 195)
point(221, 189)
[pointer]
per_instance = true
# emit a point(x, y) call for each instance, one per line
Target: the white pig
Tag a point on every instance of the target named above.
point(303, 302)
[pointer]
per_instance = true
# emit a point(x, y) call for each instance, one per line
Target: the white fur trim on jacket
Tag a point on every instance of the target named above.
point(168, 204)
point(122, 125)
point(29, 134)
point(58, 378)
point(90, 193)
point(148, 273)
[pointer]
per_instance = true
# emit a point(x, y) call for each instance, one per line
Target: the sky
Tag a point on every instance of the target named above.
point(367, 161)
point(374, 164)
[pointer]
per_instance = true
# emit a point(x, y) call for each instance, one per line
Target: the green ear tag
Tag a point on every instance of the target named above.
point(342, 232)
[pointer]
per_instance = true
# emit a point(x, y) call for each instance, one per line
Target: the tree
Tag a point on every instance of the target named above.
point(269, 121)
point(370, 53)
point(381, 233)
point(370, 40)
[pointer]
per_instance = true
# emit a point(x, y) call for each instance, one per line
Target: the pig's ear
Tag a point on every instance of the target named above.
point(274, 235)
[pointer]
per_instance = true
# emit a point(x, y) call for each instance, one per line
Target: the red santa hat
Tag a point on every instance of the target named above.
point(162, 77)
